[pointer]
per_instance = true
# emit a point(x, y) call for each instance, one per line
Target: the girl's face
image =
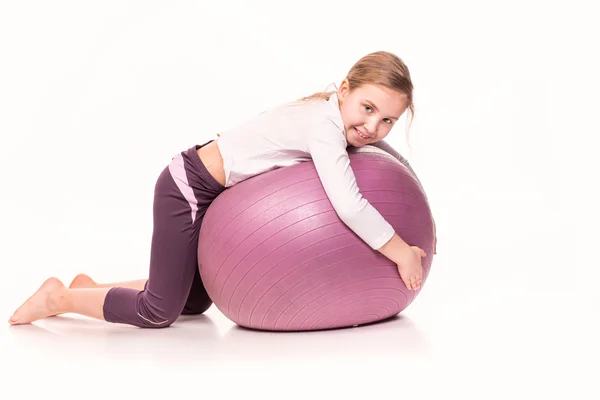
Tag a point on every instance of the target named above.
point(369, 112)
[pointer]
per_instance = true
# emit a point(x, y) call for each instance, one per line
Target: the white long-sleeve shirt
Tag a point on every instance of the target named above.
point(290, 134)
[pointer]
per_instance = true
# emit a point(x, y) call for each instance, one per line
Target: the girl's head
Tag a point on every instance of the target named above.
point(373, 96)
point(375, 93)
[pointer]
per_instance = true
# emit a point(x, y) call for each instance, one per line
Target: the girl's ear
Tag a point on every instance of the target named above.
point(343, 90)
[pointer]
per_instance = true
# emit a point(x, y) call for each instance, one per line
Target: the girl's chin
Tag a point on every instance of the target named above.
point(353, 142)
point(356, 143)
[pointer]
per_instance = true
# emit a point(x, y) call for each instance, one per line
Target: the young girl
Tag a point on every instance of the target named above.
point(372, 97)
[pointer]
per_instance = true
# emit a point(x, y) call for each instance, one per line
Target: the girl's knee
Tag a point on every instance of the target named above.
point(157, 313)
point(155, 321)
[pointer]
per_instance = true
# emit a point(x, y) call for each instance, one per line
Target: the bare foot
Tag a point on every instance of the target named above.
point(82, 281)
point(47, 301)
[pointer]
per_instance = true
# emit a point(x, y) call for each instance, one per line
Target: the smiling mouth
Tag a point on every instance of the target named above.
point(362, 135)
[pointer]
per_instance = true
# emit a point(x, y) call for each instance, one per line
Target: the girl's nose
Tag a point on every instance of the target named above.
point(370, 129)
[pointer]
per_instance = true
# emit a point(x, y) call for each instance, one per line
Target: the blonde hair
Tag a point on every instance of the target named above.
point(380, 68)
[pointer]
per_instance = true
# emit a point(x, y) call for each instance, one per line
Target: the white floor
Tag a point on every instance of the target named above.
point(517, 333)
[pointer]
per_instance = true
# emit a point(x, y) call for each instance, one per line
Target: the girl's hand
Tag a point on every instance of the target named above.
point(410, 267)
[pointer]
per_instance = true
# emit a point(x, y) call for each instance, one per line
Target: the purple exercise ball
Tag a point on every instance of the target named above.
point(274, 255)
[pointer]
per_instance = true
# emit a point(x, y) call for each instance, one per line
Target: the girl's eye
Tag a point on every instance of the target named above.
point(387, 120)
point(368, 108)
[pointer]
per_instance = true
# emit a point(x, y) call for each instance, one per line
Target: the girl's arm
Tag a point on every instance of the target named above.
point(383, 145)
point(327, 147)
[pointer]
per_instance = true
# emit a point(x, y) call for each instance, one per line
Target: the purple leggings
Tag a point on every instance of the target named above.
point(183, 192)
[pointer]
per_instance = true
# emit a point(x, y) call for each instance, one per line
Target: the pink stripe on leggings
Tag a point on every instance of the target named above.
point(177, 171)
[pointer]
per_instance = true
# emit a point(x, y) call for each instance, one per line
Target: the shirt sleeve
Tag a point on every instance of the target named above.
point(385, 146)
point(327, 147)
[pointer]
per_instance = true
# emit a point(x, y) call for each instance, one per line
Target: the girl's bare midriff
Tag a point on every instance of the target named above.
point(212, 159)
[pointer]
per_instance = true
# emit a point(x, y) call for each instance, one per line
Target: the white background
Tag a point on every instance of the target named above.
point(96, 97)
